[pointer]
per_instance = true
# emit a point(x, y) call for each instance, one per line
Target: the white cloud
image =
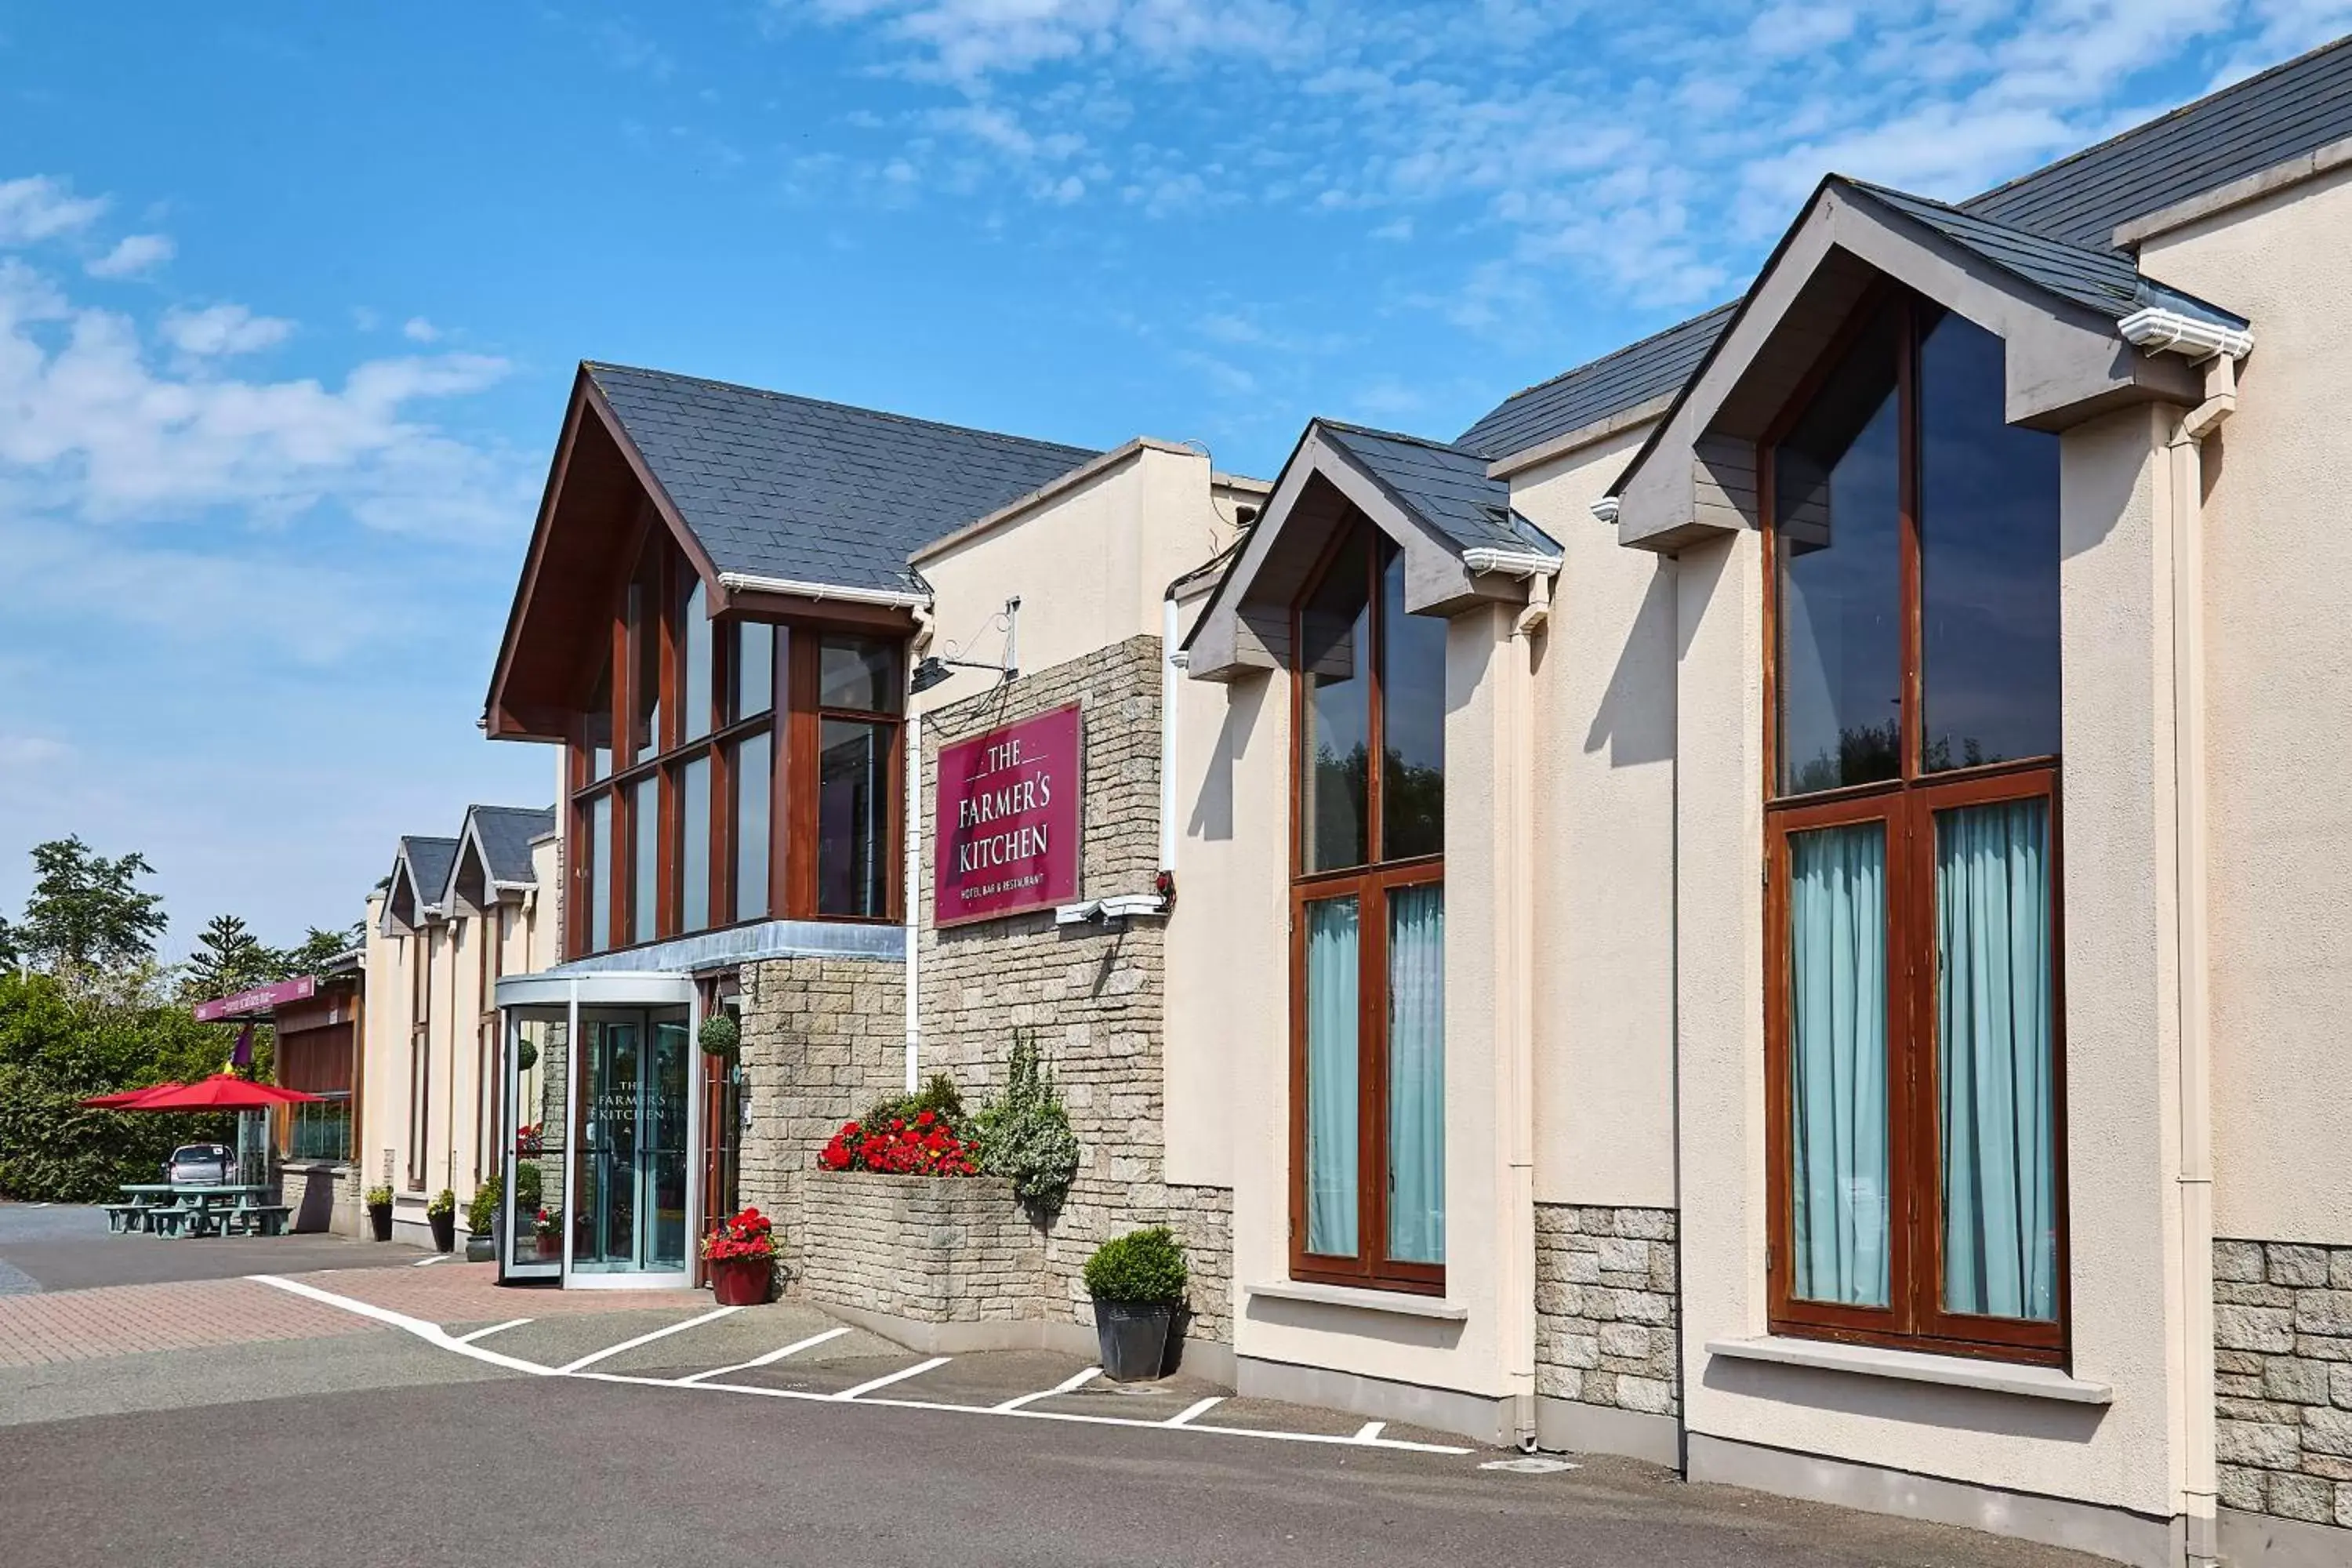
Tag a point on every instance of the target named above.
point(1652, 153)
point(131, 255)
point(39, 207)
point(221, 329)
point(417, 329)
point(92, 428)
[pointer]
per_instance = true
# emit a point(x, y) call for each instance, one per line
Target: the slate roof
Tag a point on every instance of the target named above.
point(429, 860)
point(505, 832)
point(2104, 280)
point(2077, 202)
point(1445, 485)
point(792, 487)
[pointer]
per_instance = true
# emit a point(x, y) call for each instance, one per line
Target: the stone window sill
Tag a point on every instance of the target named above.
point(1399, 1303)
point(1915, 1367)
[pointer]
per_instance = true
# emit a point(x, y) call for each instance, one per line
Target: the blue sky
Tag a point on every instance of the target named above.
point(289, 297)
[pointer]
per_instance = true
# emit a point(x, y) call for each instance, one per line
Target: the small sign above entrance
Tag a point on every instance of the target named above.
point(1005, 834)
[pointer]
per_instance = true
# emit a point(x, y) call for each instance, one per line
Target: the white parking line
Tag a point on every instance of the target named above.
point(433, 1333)
point(430, 1259)
point(493, 1329)
point(1076, 1380)
point(1370, 1432)
point(901, 1375)
point(1198, 1407)
point(769, 1360)
point(593, 1357)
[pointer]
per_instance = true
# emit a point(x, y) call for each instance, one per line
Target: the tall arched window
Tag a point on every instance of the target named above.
point(1913, 1026)
point(1368, 928)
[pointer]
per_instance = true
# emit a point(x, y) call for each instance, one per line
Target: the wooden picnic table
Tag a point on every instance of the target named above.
point(190, 1208)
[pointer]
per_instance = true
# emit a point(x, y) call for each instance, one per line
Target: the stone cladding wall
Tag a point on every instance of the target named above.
point(1607, 1297)
point(938, 1249)
point(1094, 995)
point(823, 1039)
point(2283, 1380)
point(322, 1195)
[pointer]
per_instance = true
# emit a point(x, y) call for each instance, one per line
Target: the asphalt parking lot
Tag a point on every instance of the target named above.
point(397, 1415)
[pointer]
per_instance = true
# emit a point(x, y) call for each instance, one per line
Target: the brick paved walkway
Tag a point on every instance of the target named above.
point(124, 1320)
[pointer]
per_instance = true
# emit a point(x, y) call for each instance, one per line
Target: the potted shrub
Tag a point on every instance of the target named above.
point(548, 1228)
point(741, 1255)
point(441, 1214)
point(379, 1208)
point(1137, 1283)
point(481, 1220)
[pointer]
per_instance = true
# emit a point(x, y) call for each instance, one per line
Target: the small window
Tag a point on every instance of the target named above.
point(752, 786)
point(694, 844)
point(694, 657)
point(853, 863)
point(859, 675)
point(753, 669)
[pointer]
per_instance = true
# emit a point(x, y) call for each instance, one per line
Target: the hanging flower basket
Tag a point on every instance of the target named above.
point(721, 1036)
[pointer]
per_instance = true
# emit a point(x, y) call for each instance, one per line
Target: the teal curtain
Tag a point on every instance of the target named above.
point(1837, 1061)
point(1994, 1060)
point(1333, 1003)
point(1417, 1074)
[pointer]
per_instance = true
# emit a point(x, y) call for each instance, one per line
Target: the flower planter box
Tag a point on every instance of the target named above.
point(934, 1249)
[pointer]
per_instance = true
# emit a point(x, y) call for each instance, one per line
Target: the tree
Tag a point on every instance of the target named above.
point(318, 948)
point(84, 912)
point(228, 959)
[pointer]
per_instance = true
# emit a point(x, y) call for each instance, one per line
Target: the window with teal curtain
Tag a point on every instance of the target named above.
point(1837, 1062)
point(1333, 1003)
point(1417, 1074)
point(1995, 1062)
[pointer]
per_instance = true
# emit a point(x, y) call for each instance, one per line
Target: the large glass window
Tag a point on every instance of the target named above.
point(676, 830)
point(1369, 928)
point(1916, 1066)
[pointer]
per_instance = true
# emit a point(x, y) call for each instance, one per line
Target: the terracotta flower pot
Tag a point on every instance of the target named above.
point(740, 1281)
point(550, 1246)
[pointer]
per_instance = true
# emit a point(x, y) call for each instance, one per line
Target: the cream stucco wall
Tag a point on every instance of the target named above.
point(2278, 629)
point(1603, 841)
point(2121, 1142)
point(1091, 563)
point(455, 1036)
point(1489, 1248)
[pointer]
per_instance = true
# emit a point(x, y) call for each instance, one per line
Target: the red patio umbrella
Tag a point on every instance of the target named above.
point(124, 1099)
point(222, 1091)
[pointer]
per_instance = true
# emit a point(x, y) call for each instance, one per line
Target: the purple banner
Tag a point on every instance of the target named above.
point(1006, 836)
point(260, 999)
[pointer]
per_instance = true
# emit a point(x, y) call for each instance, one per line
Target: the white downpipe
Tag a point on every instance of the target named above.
point(1538, 614)
point(1168, 677)
point(2185, 452)
point(914, 896)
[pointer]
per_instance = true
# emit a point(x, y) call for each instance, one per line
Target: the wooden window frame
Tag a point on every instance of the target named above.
point(791, 723)
point(1913, 1318)
point(1370, 884)
point(420, 1057)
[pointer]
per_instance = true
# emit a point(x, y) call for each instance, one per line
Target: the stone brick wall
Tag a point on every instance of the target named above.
point(1606, 1304)
point(322, 1195)
point(938, 1249)
point(2283, 1380)
point(1094, 995)
point(822, 1038)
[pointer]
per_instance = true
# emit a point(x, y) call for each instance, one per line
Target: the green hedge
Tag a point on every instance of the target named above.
point(58, 1047)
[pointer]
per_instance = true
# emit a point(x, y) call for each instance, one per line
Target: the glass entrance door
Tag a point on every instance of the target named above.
point(631, 1182)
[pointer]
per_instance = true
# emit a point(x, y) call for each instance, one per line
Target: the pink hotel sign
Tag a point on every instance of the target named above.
point(1005, 835)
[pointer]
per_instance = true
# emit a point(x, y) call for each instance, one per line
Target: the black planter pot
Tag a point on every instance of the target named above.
point(444, 1231)
point(1132, 1337)
point(380, 1221)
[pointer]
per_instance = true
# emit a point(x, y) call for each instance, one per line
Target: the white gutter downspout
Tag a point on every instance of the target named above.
point(914, 896)
point(2157, 330)
point(1170, 674)
point(1514, 778)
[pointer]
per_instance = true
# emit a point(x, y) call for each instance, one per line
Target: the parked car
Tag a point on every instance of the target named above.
point(201, 1165)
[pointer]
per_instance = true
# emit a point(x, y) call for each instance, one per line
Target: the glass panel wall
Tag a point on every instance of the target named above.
point(694, 845)
point(854, 802)
point(1335, 664)
point(753, 784)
